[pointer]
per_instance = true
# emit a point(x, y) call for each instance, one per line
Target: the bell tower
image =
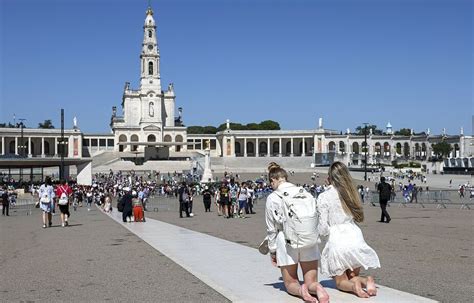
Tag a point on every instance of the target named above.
point(150, 56)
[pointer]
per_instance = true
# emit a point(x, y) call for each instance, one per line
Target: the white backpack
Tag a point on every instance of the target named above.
point(300, 219)
point(63, 199)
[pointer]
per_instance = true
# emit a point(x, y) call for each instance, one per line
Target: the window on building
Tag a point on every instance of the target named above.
point(110, 142)
point(213, 143)
point(150, 34)
point(93, 142)
point(150, 68)
point(190, 144)
point(85, 142)
point(102, 142)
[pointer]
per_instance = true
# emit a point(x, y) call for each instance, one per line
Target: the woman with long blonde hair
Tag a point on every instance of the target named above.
point(339, 209)
point(283, 254)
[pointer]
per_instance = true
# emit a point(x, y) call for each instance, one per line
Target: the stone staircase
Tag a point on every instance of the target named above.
point(161, 166)
point(260, 164)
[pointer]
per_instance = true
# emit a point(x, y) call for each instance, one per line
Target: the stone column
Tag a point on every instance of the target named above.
point(245, 147)
point(16, 145)
point(30, 152)
point(291, 148)
point(279, 148)
point(268, 148)
point(3, 145)
point(55, 146)
point(256, 147)
point(303, 148)
point(42, 147)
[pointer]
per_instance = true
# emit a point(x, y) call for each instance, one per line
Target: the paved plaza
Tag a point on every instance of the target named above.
point(423, 251)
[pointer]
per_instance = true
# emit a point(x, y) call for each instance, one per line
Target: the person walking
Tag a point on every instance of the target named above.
point(183, 198)
point(206, 198)
point(281, 246)
point(127, 201)
point(225, 200)
point(345, 252)
point(46, 200)
point(242, 196)
point(385, 193)
point(5, 202)
point(63, 192)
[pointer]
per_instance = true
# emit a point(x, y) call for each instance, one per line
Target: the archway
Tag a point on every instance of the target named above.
point(342, 147)
point(386, 149)
point(355, 148)
point(276, 148)
point(332, 147)
point(378, 149)
point(238, 151)
point(151, 138)
point(134, 138)
point(398, 149)
point(179, 138)
point(122, 138)
point(262, 148)
point(406, 150)
point(250, 148)
point(288, 148)
point(11, 147)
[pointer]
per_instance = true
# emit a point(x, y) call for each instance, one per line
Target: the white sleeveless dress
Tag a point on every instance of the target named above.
point(345, 247)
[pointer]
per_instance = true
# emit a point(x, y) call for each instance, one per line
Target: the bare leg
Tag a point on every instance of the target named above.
point(292, 285)
point(310, 274)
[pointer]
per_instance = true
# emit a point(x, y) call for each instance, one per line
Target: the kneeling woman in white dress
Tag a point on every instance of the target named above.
point(339, 208)
point(283, 254)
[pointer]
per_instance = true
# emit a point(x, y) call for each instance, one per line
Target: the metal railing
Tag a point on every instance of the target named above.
point(23, 205)
point(440, 198)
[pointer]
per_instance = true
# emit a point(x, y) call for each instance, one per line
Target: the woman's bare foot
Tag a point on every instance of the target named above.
point(322, 294)
point(371, 289)
point(357, 289)
point(307, 297)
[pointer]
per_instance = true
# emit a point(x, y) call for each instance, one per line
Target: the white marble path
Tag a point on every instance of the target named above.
point(238, 272)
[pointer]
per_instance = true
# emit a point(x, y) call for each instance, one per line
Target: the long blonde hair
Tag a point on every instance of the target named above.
point(340, 178)
point(275, 172)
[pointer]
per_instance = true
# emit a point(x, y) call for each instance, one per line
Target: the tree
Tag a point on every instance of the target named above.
point(269, 125)
point(442, 149)
point(9, 125)
point(403, 132)
point(46, 124)
point(253, 126)
point(201, 130)
point(360, 130)
point(195, 129)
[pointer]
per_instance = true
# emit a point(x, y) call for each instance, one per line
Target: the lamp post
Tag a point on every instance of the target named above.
point(22, 143)
point(365, 150)
point(61, 168)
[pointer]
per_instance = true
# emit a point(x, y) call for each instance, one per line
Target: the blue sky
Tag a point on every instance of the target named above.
point(404, 61)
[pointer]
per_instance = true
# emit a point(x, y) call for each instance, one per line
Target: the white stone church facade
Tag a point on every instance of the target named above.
point(149, 112)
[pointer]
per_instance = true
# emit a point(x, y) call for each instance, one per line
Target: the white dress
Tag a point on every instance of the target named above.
point(345, 247)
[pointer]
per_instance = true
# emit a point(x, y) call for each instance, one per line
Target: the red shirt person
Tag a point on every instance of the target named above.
point(63, 192)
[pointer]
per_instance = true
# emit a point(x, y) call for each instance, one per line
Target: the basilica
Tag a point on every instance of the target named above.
point(148, 119)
